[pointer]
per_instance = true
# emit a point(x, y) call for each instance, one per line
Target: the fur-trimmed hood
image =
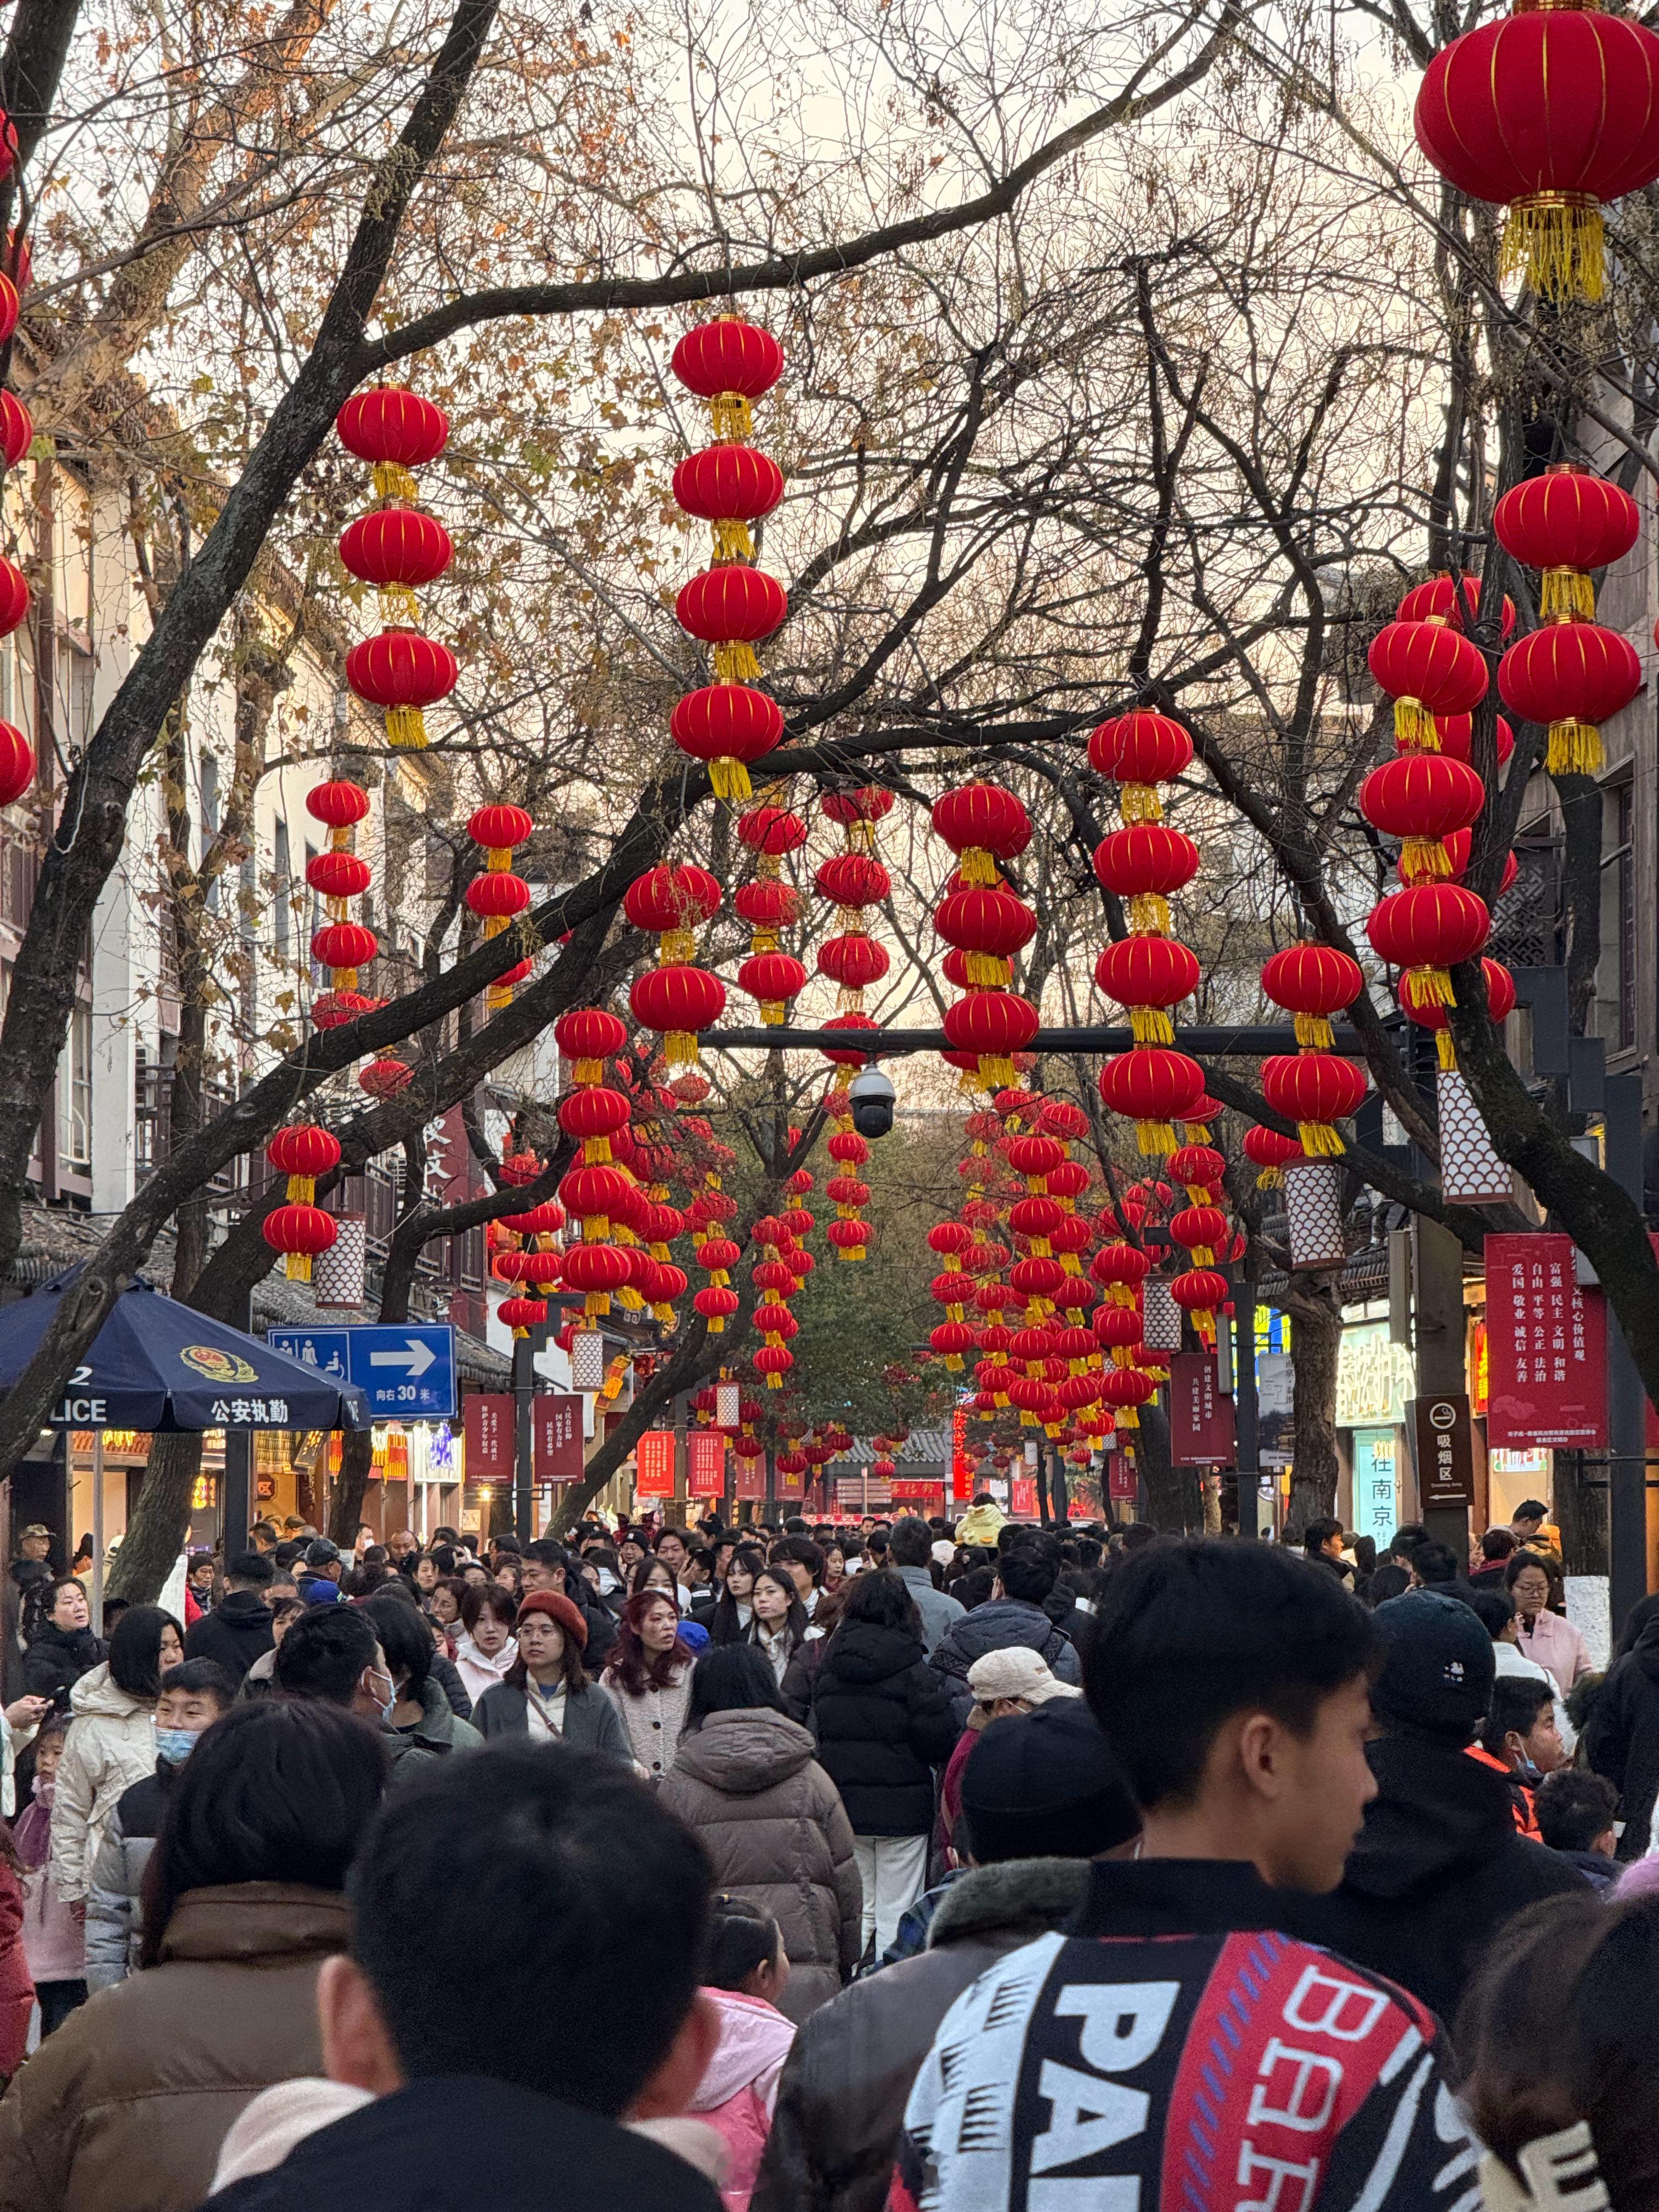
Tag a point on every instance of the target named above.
point(990, 1898)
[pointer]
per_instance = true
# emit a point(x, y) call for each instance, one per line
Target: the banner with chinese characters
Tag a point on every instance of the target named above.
point(556, 1425)
point(1200, 1413)
point(962, 1466)
point(653, 1460)
point(1022, 1498)
point(1546, 1347)
point(487, 1425)
point(1123, 1478)
point(705, 1463)
point(751, 1477)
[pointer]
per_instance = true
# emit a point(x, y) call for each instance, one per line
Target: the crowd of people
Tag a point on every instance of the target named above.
point(901, 1865)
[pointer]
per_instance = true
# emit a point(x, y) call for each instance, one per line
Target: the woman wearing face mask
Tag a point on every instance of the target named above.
point(485, 1651)
point(53, 1941)
point(111, 1740)
point(779, 1627)
point(547, 1694)
point(192, 1698)
point(734, 1609)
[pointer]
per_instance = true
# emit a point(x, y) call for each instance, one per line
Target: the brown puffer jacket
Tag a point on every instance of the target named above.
point(845, 2083)
point(125, 2108)
point(768, 1817)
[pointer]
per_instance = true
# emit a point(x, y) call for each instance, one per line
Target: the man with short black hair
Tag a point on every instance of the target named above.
point(1183, 2039)
point(331, 1652)
point(911, 1549)
point(238, 1629)
point(1026, 1573)
point(590, 1903)
point(1529, 1517)
point(673, 1550)
point(1322, 1541)
point(1433, 1566)
point(805, 1564)
point(1576, 1812)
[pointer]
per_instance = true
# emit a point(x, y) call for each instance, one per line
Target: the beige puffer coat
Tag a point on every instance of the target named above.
point(111, 1745)
point(655, 1720)
point(771, 1820)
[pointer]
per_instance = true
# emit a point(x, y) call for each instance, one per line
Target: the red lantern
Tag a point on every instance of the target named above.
point(853, 961)
point(774, 978)
point(1125, 1389)
point(982, 823)
point(1312, 1089)
point(1146, 974)
point(300, 1232)
point(1421, 798)
point(384, 1078)
point(1153, 1087)
point(1201, 1229)
point(339, 875)
point(1565, 523)
point(345, 946)
point(16, 764)
point(848, 1237)
point(393, 430)
point(950, 1339)
point(1440, 597)
point(728, 363)
point(1550, 113)
point(596, 1270)
point(588, 1035)
point(730, 487)
point(332, 1009)
point(727, 726)
point(774, 1361)
point(731, 607)
point(1429, 668)
point(403, 672)
point(339, 805)
point(772, 831)
point(1572, 675)
point(672, 902)
point(845, 1058)
point(860, 807)
point(14, 597)
point(1427, 930)
point(678, 1000)
point(303, 1151)
point(592, 1115)
point(498, 829)
point(854, 879)
point(768, 906)
point(9, 302)
point(716, 1304)
point(497, 897)
point(1145, 864)
point(396, 548)
point(1313, 982)
point(1457, 736)
point(16, 428)
point(995, 1024)
point(987, 926)
point(1267, 1150)
point(1138, 751)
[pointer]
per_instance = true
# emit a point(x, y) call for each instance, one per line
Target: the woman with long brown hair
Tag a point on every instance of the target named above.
point(649, 1678)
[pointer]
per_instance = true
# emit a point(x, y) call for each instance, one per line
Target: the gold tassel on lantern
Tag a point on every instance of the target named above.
point(989, 971)
point(729, 777)
point(1446, 1050)
point(296, 1267)
point(1137, 802)
point(1154, 1137)
point(1414, 727)
point(1555, 241)
point(1422, 859)
point(732, 541)
point(399, 608)
point(679, 1048)
point(735, 663)
point(1318, 1140)
point(405, 729)
point(1565, 595)
point(729, 414)
point(1431, 987)
point(1151, 1025)
point(1147, 914)
point(391, 480)
point(1575, 749)
point(1271, 1179)
point(1313, 1032)
point(977, 865)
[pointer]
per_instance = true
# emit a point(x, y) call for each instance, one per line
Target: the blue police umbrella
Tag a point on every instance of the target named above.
point(158, 1365)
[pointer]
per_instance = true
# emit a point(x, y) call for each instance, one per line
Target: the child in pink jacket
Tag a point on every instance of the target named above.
point(747, 1971)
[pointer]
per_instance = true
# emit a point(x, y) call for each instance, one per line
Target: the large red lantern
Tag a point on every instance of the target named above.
point(845, 1057)
point(1312, 982)
point(728, 362)
point(1457, 736)
point(397, 549)
point(770, 832)
point(679, 1001)
point(982, 823)
point(16, 763)
point(1426, 931)
point(1312, 1089)
point(730, 487)
point(1148, 974)
point(596, 1270)
point(1145, 864)
point(497, 897)
point(731, 607)
point(1421, 799)
point(384, 1078)
point(727, 726)
point(853, 961)
point(854, 879)
point(1565, 523)
point(300, 1233)
point(589, 1035)
point(16, 428)
point(1551, 113)
point(673, 902)
point(404, 673)
point(994, 1025)
point(1572, 675)
point(1441, 596)
point(1138, 751)
point(767, 905)
point(339, 805)
point(1153, 1087)
point(339, 875)
point(1272, 1154)
point(396, 431)
point(774, 978)
point(345, 946)
point(988, 925)
point(1428, 668)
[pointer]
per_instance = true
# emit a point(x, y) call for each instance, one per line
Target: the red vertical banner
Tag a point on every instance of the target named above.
point(1022, 1498)
point(961, 1467)
point(1546, 1348)
point(1123, 1482)
point(487, 1426)
point(789, 1485)
point(751, 1478)
point(705, 1463)
point(1200, 1413)
point(556, 1427)
point(653, 1460)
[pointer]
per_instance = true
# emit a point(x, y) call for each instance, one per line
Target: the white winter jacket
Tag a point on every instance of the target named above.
point(111, 1745)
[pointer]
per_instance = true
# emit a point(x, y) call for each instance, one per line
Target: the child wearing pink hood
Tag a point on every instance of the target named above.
point(747, 1971)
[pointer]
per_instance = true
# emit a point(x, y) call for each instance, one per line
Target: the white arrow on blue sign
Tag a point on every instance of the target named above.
point(407, 1372)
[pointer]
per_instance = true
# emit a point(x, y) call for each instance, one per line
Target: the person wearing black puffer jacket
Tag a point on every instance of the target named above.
point(238, 1630)
point(1027, 1573)
point(64, 1647)
point(883, 1720)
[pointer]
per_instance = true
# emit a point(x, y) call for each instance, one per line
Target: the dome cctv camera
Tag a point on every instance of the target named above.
point(871, 1095)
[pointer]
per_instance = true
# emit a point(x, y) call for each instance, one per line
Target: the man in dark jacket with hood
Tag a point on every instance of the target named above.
point(1621, 1736)
point(1013, 1614)
point(1042, 1795)
point(238, 1630)
point(1438, 1867)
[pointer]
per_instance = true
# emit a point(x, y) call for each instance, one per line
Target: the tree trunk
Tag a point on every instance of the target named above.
point(1173, 1497)
point(160, 1520)
point(1581, 1514)
point(1315, 1311)
point(345, 1509)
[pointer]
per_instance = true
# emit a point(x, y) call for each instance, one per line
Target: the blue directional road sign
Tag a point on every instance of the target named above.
point(407, 1370)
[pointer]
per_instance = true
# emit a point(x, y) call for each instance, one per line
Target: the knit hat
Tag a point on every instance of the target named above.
point(944, 1550)
point(557, 1606)
point(1017, 1672)
point(1438, 1666)
point(694, 1636)
point(1046, 1785)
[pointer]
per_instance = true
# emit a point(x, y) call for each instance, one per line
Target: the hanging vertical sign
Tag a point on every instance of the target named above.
point(1123, 1479)
point(1546, 1347)
point(556, 1425)
point(750, 1477)
point(653, 1461)
point(1200, 1413)
point(705, 1463)
point(1022, 1498)
point(961, 1467)
point(487, 1424)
